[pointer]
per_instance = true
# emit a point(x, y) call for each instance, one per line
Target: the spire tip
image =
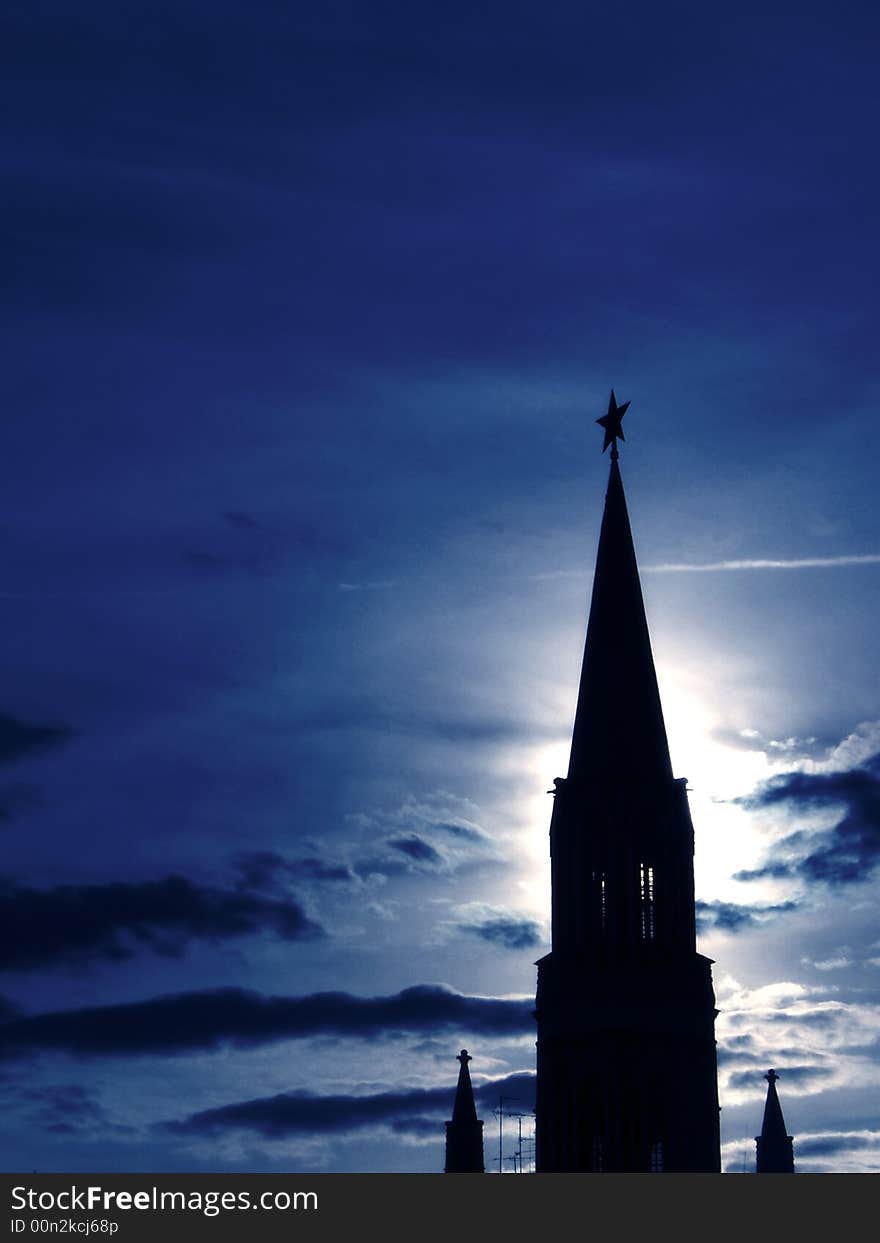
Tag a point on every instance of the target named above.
point(612, 423)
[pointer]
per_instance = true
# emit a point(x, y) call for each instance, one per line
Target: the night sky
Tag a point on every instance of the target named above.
point(309, 314)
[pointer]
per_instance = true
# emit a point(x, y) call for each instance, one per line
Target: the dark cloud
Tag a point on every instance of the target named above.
point(747, 1053)
point(805, 1075)
point(511, 934)
point(73, 923)
point(466, 832)
point(17, 738)
point(806, 1018)
point(210, 1020)
point(294, 1113)
point(732, 917)
point(61, 1109)
point(265, 870)
point(416, 848)
point(770, 871)
point(729, 1053)
point(843, 854)
point(419, 1111)
point(408, 852)
point(312, 868)
point(834, 1143)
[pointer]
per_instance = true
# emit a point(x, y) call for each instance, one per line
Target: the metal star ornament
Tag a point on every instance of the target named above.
point(612, 424)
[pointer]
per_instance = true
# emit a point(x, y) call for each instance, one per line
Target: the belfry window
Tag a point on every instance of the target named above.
point(657, 1157)
point(646, 885)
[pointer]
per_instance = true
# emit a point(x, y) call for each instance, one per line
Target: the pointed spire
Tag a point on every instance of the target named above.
point(619, 734)
point(775, 1152)
point(464, 1134)
point(464, 1109)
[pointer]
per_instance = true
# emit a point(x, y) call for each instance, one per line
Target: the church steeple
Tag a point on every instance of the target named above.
point(618, 729)
point(775, 1152)
point(464, 1134)
point(627, 1078)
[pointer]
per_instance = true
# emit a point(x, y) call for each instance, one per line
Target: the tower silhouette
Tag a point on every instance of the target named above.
point(775, 1153)
point(464, 1134)
point(627, 1075)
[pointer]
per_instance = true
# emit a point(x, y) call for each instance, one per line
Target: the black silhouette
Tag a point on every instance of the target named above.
point(627, 1077)
point(464, 1134)
point(775, 1153)
point(613, 424)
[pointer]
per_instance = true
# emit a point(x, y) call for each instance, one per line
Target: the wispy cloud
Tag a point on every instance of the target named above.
point(746, 563)
point(754, 563)
point(734, 917)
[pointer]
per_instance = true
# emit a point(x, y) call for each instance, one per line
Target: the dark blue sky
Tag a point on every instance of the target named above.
point(308, 318)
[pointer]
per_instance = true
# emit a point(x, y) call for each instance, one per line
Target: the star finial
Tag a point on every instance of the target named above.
point(612, 424)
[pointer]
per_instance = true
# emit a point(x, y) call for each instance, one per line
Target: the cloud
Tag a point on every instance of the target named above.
point(509, 933)
point(802, 563)
point(264, 870)
point(417, 722)
point(417, 848)
point(802, 1075)
point(792, 748)
point(834, 1142)
point(733, 917)
point(804, 1018)
point(419, 1111)
point(17, 738)
point(75, 923)
point(467, 832)
point(292, 1113)
point(437, 833)
point(213, 1019)
point(62, 1109)
point(843, 854)
point(731, 1047)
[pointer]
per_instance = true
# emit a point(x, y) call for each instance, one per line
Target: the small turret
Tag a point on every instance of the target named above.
point(464, 1134)
point(775, 1152)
